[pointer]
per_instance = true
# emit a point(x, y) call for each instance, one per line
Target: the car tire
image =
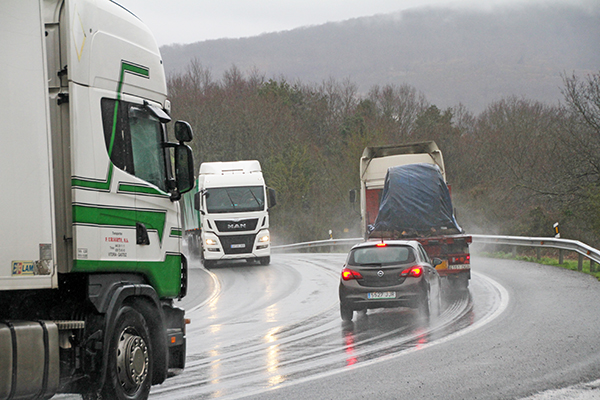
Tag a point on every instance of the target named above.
point(346, 312)
point(424, 307)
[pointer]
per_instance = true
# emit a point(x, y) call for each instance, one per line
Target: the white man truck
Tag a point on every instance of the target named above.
point(230, 220)
point(90, 261)
point(404, 195)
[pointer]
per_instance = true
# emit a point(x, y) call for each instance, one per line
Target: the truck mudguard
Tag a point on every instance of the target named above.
point(109, 292)
point(415, 201)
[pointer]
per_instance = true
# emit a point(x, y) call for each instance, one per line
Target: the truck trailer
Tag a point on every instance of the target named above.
point(230, 216)
point(404, 195)
point(90, 262)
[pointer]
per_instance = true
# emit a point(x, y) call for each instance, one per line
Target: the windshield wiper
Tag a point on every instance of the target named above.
point(255, 198)
point(230, 199)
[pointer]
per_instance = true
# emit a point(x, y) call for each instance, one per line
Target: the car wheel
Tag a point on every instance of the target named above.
point(346, 312)
point(425, 305)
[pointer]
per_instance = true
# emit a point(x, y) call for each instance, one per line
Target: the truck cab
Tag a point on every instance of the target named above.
point(91, 264)
point(233, 201)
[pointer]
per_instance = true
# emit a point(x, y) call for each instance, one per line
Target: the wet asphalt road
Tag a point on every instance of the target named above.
point(274, 332)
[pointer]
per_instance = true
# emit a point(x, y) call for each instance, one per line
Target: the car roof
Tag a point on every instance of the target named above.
point(373, 243)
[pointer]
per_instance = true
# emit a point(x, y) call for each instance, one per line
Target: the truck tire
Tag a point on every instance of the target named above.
point(192, 245)
point(264, 260)
point(129, 373)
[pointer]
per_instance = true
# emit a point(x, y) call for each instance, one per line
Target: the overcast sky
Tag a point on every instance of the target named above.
point(189, 21)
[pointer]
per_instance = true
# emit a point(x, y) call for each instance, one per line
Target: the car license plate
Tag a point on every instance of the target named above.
point(381, 295)
point(238, 245)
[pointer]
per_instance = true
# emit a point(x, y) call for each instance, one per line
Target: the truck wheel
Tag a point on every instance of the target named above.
point(129, 372)
point(264, 260)
point(192, 243)
point(346, 312)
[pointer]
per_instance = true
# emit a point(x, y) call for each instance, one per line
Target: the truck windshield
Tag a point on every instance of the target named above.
point(235, 199)
point(381, 255)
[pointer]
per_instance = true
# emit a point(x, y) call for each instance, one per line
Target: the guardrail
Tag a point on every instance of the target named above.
point(576, 246)
point(318, 243)
point(582, 249)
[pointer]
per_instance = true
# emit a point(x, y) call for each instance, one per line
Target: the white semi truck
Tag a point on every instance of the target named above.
point(90, 261)
point(231, 218)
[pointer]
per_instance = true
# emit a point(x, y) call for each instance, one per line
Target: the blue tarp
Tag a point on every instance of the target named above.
point(415, 201)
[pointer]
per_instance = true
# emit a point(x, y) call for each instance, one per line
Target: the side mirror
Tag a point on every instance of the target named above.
point(352, 196)
point(436, 262)
point(272, 197)
point(184, 168)
point(198, 202)
point(183, 132)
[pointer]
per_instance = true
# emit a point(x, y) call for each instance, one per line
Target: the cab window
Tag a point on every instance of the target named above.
point(134, 141)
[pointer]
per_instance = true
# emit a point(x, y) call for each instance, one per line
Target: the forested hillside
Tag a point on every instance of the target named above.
point(515, 168)
point(452, 56)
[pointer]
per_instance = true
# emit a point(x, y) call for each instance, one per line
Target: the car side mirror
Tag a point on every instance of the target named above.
point(437, 261)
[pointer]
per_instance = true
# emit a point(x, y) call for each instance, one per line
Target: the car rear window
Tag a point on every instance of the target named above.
point(381, 255)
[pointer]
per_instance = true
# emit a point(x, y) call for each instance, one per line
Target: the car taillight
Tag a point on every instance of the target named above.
point(415, 272)
point(461, 259)
point(348, 274)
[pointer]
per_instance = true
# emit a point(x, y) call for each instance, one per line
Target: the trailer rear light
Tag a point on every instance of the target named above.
point(462, 259)
point(348, 274)
point(415, 272)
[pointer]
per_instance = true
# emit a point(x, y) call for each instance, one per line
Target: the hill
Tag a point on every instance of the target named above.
point(452, 55)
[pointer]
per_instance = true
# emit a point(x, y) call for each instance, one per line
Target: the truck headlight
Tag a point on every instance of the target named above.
point(211, 242)
point(264, 238)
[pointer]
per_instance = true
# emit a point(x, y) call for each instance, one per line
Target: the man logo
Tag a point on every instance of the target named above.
point(236, 227)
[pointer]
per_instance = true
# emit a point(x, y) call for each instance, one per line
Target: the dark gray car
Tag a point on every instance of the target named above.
point(394, 273)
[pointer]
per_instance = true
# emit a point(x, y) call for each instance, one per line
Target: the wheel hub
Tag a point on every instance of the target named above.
point(132, 360)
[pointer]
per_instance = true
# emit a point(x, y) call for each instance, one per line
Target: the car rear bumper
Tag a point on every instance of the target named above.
point(357, 298)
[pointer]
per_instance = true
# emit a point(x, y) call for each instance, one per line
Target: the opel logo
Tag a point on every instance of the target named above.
point(380, 273)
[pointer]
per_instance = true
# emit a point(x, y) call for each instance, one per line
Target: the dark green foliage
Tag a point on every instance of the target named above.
point(516, 168)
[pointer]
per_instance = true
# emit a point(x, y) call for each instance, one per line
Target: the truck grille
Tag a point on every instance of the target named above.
point(237, 226)
point(238, 244)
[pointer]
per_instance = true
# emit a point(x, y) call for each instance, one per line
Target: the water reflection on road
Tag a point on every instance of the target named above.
point(280, 324)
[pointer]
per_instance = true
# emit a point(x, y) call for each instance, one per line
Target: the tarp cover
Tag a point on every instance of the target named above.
point(415, 200)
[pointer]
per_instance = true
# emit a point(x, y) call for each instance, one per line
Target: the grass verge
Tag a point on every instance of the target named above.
point(567, 263)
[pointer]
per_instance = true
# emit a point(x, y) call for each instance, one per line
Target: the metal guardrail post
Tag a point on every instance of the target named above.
point(560, 257)
point(580, 263)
